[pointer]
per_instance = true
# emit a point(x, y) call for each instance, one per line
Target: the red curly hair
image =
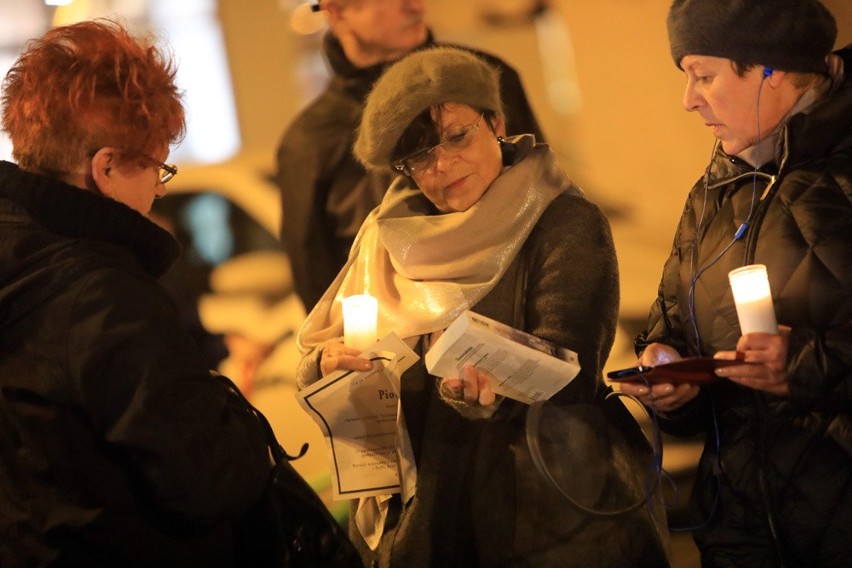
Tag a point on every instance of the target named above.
point(85, 86)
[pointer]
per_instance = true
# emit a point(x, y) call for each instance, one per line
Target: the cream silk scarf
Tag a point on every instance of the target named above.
point(426, 269)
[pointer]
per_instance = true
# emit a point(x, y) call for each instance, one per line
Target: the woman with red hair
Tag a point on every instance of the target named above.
point(116, 447)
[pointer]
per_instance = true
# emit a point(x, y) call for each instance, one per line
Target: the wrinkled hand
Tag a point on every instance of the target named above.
point(337, 356)
point(662, 397)
point(770, 350)
point(473, 387)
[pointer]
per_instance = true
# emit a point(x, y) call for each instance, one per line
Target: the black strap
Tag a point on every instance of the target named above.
point(532, 431)
point(534, 411)
point(278, 453)
point(519, 305)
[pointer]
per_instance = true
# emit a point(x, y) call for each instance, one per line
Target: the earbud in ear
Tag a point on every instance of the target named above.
point(767, 71)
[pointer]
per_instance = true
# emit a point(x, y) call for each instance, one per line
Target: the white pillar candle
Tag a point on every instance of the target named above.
point(750, 285)
point(360, 314)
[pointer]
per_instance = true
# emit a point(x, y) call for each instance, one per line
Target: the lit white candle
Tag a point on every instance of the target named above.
point(750, 285)
point(360, 314)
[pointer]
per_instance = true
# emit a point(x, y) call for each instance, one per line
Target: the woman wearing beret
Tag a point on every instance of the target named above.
point(117, 448)
point(774, 484)
point(493, 225)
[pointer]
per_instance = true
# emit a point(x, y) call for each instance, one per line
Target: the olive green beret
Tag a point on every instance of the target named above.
point(415, 83)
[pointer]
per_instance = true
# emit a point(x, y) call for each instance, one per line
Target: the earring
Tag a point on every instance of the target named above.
point(501, 140)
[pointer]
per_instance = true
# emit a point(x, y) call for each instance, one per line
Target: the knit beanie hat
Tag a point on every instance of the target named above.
point(789, 35)
point(415, 83)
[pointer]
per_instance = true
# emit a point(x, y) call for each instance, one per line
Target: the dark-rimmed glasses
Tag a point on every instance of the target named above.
point(425, 158)
point(166, 171)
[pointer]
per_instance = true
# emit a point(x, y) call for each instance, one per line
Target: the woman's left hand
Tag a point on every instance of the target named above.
point(770, 351)
point(474, 386)
point(337, 356)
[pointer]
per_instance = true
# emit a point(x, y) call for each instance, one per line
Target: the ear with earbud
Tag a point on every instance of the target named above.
point(767, 71)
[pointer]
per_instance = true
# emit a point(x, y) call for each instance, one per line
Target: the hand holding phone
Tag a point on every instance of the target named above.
point(692, 370)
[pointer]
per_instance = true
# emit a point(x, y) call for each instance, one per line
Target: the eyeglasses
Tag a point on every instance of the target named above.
point(166, 171)
point(425, 158)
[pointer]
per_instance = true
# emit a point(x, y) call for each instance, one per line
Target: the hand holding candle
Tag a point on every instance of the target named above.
point(360, 315)
point(750, 285)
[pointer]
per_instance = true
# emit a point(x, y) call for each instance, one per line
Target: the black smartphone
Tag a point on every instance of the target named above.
point(628, 374)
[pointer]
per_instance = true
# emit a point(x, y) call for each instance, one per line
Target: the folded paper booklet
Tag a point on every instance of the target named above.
point(522, 366)
point(693, 370)
point(358, 413)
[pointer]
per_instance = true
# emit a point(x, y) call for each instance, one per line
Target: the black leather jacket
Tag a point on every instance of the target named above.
point(786, 461)
point(116, 446)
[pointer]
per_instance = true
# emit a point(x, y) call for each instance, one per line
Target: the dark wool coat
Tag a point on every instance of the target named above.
point(326, 193)
point(116, 446)
point(780, 460)
point(480, 501)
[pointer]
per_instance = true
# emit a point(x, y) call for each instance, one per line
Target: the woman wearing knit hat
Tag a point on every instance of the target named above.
point(774, 485)
point(477, 222)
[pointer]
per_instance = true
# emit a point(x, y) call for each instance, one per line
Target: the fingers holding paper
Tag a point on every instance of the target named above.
point(473, 387)
point(770, 352)
point(337, 356)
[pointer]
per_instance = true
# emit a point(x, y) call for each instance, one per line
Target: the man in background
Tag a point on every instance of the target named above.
point(326, 194)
